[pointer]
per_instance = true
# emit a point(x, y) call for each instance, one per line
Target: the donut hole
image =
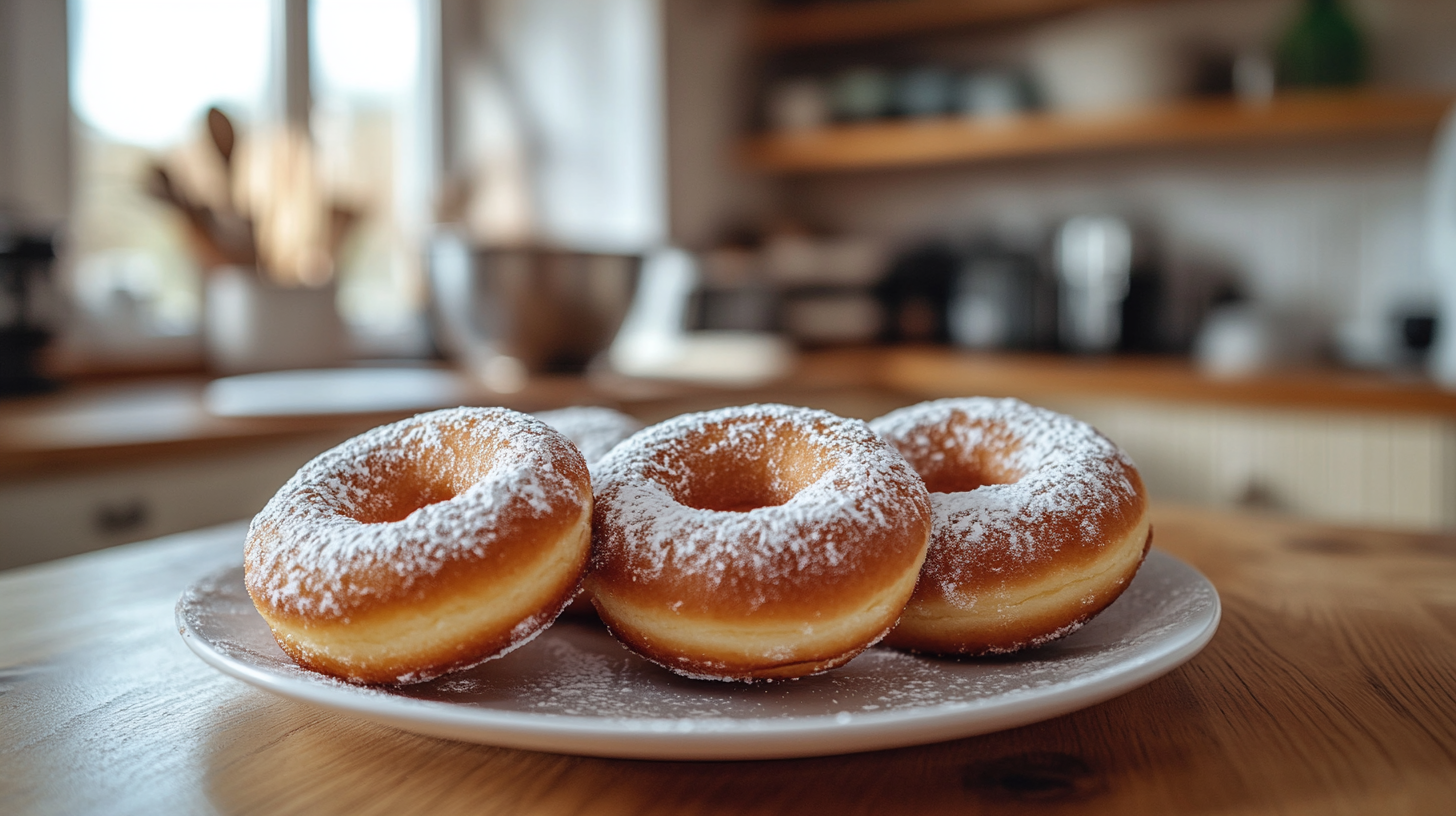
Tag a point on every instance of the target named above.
point(956, 465)
point(419, 481)
point(745, 477)
point(401, 501)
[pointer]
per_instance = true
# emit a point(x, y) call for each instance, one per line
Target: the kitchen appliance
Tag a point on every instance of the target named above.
point(26, 302)
point(998, 301)
point(1094, 257)
point(509, 312)
point(916, 292)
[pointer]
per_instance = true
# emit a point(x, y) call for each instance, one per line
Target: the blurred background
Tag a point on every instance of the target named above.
point(235, 232)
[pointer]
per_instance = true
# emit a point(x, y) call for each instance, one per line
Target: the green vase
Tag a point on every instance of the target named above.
point(1322, 48)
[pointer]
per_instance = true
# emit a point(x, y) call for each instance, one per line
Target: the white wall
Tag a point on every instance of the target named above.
point(709, 66)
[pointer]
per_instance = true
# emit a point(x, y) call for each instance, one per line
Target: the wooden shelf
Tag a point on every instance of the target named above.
point(1202, 122)
point(830, 23)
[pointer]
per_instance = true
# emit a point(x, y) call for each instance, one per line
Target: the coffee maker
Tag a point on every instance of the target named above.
point(27, 303)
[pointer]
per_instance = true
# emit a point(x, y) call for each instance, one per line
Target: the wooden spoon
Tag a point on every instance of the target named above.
point(224, 137)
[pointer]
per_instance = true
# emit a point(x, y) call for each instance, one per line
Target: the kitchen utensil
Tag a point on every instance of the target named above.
point(224, 137)
point(509, 312)
point(253, 324)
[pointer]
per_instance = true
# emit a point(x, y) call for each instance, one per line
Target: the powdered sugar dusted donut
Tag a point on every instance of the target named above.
point(1039, 523)
point(424, 546)
point(755, 543)
point(594, 430)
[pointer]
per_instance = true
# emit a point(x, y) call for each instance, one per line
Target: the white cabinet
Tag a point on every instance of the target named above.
point(1376, 470)
point(56, 516)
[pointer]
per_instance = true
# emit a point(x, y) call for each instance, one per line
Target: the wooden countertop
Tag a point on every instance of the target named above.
point(1330, 688)
point(119, 423)
point(946, 372)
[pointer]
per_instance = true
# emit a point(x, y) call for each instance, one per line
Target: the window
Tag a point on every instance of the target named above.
point(144, 73)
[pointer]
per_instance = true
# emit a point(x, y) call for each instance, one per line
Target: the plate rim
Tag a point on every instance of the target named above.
point(725, 738)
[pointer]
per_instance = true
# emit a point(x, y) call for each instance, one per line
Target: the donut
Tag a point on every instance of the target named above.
point(594, 430)
point(422, 547)
point(755, 543)
point(1039, 523)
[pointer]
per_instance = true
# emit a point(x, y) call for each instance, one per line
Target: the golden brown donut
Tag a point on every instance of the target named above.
point(755, 543)
point(422, 547)
point(1039, 523)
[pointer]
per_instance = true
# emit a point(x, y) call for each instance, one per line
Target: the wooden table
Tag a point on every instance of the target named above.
point(1330, 688)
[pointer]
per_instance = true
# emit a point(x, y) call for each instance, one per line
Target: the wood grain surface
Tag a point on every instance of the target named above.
point(823, 23)
point(1330, 688)
point(955, 139)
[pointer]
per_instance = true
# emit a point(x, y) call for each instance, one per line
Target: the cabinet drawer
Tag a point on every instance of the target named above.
point(1383, 470)
point(54, 517)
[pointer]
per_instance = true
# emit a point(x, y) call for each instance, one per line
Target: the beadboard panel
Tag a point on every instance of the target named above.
point(47, 518)
point(1362, 469)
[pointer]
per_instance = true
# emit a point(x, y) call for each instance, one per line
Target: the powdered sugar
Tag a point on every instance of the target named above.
point(594, 430)
point(1069, 483)
point(865, 488)
point(310, 553)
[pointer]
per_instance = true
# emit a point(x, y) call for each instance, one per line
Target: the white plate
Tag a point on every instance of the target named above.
point(575, 690)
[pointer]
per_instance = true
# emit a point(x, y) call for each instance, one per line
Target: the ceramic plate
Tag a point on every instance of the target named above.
point(575, 690)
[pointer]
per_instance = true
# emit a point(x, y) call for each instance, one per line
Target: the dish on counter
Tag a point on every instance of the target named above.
point(576, 690)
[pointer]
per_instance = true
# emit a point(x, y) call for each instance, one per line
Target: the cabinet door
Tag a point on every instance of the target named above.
point(54, 517)
point(1385, 470)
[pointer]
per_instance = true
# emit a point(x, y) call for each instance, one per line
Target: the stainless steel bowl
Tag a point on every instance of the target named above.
point(507, 313)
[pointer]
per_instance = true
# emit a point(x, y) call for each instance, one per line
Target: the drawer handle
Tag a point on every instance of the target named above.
point(120, 517)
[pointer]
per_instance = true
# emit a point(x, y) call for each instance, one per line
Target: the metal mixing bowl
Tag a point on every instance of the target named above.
point(507, 313)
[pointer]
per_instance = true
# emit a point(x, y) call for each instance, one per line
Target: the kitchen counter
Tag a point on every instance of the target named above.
point(108, 424)
point(107, 462)
point(1330, 688)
